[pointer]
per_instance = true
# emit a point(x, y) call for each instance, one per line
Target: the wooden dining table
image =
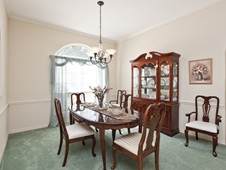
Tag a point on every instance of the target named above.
point(104, 119)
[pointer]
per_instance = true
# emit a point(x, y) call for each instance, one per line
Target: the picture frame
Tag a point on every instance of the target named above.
point(200, 71)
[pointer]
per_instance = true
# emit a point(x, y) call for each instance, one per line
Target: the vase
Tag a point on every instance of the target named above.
point(100, 101)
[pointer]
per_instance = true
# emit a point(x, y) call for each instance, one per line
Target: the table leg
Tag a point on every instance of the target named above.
point(113, 135)
point(102, 145)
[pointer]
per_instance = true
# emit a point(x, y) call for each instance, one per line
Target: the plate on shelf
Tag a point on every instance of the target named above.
point(152, 72)
point(144, 83)
point(146, 71)
point(162, 83)
point(167, 82)
point(174, 83)
point(151, 83)
point(166, 70)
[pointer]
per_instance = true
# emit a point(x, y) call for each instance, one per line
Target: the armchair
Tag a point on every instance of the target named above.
point(204, 126)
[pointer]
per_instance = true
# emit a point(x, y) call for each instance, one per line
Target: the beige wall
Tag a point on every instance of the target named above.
point(197, 36)
point(3, 80)
point(29, 71)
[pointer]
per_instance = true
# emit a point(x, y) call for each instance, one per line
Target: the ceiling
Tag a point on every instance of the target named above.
point(120, 18)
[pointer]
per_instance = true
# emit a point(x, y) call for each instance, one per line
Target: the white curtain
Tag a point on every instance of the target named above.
point(70, 75)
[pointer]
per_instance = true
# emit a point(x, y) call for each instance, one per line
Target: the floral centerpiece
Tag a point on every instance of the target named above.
point(99, 93)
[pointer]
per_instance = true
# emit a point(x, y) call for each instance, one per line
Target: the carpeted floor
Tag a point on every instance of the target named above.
point(37, 150)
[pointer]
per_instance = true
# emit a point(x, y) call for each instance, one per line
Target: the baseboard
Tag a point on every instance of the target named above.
point(2, 150)
point(28, 128)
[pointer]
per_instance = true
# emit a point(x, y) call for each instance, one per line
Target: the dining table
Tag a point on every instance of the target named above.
point(105, 118)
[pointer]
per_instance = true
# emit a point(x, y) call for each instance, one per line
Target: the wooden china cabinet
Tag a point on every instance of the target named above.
point(156, 79)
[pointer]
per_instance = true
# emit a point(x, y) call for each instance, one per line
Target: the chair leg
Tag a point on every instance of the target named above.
point(66, 153)
point(140, 163)
point(196, 135)
point(186, 137)
point(114, 149)
point(215, 143)
point(96, 129)
point(93, 147)
point(61, 141)
point(157, 160)
point(113, 135)
point(128, 130)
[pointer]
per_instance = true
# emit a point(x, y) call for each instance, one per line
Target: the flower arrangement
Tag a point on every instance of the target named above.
point(99, 93)
point(200, 70)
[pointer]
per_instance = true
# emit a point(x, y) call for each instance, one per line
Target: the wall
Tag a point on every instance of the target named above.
point(197, 36)
point(29, 70)
point(3, 80)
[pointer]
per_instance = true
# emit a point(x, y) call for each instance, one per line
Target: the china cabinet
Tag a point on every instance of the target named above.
point(155, 78)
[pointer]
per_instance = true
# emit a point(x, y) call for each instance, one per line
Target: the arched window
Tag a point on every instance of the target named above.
point(71, 71)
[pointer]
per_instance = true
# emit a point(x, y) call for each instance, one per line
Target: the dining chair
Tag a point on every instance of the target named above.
point(72, 133)
point(139, 145)
point(209, 105)
point(118, 102)
point(126, 105)
point(78, 99)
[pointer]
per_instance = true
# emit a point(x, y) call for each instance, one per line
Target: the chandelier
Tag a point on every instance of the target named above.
point(99, 56)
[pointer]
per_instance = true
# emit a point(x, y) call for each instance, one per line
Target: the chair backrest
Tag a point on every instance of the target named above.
point(119, 96)
point(126, 98)
point(153, 120)
point(60, 117)
point(78, 97)
point(207, 108)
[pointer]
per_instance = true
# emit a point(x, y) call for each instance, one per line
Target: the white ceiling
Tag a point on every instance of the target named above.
point(120, 18)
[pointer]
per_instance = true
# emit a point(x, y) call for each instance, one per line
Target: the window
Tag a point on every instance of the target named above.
point(73, 72)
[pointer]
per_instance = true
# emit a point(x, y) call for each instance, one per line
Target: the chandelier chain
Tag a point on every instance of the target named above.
point(100, 26)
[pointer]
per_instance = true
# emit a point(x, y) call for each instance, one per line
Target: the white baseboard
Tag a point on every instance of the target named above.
point(2, 150)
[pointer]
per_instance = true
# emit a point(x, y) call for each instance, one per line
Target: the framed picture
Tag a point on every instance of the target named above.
point(200, 71)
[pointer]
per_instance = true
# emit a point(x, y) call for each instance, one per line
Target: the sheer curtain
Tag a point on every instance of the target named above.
point(73, 74)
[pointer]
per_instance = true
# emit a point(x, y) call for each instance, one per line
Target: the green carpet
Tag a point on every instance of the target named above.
point(37, 150)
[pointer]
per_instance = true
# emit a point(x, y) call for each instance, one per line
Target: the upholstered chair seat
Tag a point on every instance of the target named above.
point(78, 130)
point(204, 126)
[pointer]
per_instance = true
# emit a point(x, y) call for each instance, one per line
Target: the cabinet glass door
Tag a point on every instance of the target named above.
point(135, 82)
point(148, 81)
point(165, 81)
point(175, 81)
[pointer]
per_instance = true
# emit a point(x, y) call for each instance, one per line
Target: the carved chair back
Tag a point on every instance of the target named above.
point(78, 97)
point(152, 122)
point(126, 98)
point(60, 118)
point(119, 96)
point(207, 107)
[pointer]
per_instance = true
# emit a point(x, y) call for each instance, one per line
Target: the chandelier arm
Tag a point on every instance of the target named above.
point(92, 61)
point(107, 62)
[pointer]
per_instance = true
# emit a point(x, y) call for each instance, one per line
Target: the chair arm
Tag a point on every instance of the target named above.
point(189, 115)
point(218, 120)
